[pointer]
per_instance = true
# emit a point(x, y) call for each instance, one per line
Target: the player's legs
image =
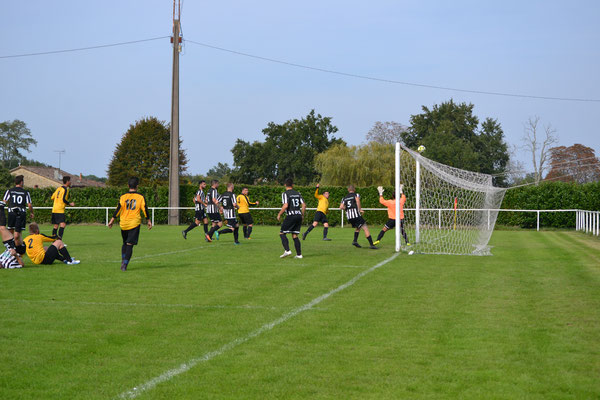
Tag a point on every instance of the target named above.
point(130, 239)
point(365, 229)
point(404, 232)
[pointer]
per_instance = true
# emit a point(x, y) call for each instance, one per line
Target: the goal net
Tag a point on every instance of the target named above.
point(447, 210)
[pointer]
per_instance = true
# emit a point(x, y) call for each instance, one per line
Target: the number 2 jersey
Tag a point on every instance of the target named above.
point(130, 207)
point(294, 201)
point(17, 199)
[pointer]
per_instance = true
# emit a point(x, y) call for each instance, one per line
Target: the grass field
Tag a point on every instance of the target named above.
point(191, 319)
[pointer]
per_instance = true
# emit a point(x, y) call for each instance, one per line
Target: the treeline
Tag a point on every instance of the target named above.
point(549, 196)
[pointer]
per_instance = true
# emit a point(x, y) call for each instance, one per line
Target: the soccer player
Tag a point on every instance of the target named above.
point(351, 203)
point(11, 260)
point(391, 209)
point(244, 212)
point(212, 210)
point(41, 255)
point(7, 237)
point(229, 205)
point(61, 199)
point(294, 207)
point(320, 215)
point(130, 207)
point(200, 215)
point(17, 199)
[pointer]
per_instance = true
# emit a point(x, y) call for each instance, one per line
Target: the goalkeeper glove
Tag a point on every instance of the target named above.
point(380, 190)
point(401, 187)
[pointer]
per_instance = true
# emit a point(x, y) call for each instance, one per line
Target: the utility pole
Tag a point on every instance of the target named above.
point(174, 154)
point(60, 153)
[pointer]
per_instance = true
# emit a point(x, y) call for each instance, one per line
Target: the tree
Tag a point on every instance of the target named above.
point(577, 163)
point(386, 132)
point(538, 144)
point(6, 179)
point(221, 171)
point(366, 165)
point(144, 152)
point(14, 137)
point(288, 151)
point(452, 136)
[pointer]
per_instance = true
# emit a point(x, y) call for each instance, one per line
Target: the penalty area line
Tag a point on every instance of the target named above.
point(186, 366)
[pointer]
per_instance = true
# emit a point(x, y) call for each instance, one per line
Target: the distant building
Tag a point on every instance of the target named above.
point(43, 177)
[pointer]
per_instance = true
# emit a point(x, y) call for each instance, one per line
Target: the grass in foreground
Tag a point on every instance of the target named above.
point(522, 323)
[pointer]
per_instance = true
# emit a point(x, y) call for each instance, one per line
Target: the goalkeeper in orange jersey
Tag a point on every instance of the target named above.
point(130, 207)
point(320, 215)
point(391, 209)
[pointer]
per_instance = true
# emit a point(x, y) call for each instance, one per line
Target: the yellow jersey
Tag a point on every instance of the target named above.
point(244, 204)
point(61, 199)
point(130, 207)
point(323, 202)
point(35, 246)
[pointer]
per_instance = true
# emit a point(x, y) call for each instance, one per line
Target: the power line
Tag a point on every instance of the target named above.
point(329, 71)
point(83, 48)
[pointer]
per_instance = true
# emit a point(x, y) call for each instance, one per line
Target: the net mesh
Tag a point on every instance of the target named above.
point(455, 210)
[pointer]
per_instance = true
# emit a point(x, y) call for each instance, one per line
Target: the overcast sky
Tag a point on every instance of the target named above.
point(83, 102)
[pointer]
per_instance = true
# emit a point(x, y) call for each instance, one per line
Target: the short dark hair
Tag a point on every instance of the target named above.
point(18, 179)
point(201, 182)
point(214, 182)
point(289, 182)
point(229, 185)
point(351, 188)
point(66, 179)
point(133, 182)
point(34, 228)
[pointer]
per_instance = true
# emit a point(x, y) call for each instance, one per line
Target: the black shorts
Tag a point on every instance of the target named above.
point(131, 236)
point(390, 224)
point(16, 221)
point(58, 218)
point(2, 217)
point(321, 217)
point(51, 255)
point(357, 222)
point(200, 215)
point(291, 224)
point(232, 223)
point(214, 217)
point(246, 219)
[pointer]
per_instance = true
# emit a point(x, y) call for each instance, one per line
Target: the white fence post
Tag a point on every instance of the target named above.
point(440, 218)
point(106, 216)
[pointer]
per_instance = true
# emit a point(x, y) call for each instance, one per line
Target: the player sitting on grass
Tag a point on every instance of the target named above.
point(391, 209)
point(10, 259)
point(351, 203)
point(40, 255)
point(320, 215)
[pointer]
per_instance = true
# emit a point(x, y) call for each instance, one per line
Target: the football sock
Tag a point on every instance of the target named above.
point(123, 251)
point(65, 253)
point(370, 239)
point(404, 235)
point(380, 235)
point(9, 244)
point(236, 233)
point(356, 236)
point(325, 232)
point(128, 254)
point(245, 231)
point(310, 228)
point(189, 228)
point(298, 246)
point(205, 228)
point(21, 249)
point(61, 231)
point(285, 242)
point(225, 230)
point(54, 232)
point(212, 230)
point(249, 231)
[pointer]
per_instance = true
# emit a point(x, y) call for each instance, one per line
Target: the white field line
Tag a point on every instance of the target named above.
point(159, 305)
point(186, 366)
point(164, 254)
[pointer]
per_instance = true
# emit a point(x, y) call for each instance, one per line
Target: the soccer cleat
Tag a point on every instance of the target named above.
point(236, 243)
point(286, 253)
point(355, 244)
point(374, 247)
point(123, 267)
point(208, 239)
point(304, 235)
point(184, 234)
point(326, 239)
point(73, 262)
point(298, 256)
point(408, 244)
point(376, 242)
point(217, 235)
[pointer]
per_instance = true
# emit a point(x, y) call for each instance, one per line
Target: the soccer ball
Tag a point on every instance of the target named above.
point(410, 253)
point(421, 149)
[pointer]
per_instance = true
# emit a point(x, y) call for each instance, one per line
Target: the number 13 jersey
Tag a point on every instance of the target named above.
point(294, 201)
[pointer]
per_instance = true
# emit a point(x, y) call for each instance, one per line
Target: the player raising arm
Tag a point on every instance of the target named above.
point(320, 215)
point(391, 207)
point(130, 207)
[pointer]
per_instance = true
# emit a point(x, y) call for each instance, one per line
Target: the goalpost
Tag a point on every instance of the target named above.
point(447, 210)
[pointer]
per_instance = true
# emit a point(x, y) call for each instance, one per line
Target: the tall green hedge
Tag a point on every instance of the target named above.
point(555, 195)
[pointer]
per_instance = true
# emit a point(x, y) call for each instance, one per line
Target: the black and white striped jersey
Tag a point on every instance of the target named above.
point(212, 208)
point(351, 205)
point(228, 202)
point(200, 206)
point(17, 197)
point(294, 201)
point(7, 260)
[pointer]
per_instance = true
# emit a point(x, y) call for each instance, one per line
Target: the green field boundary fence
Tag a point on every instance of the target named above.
point(584, 220)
